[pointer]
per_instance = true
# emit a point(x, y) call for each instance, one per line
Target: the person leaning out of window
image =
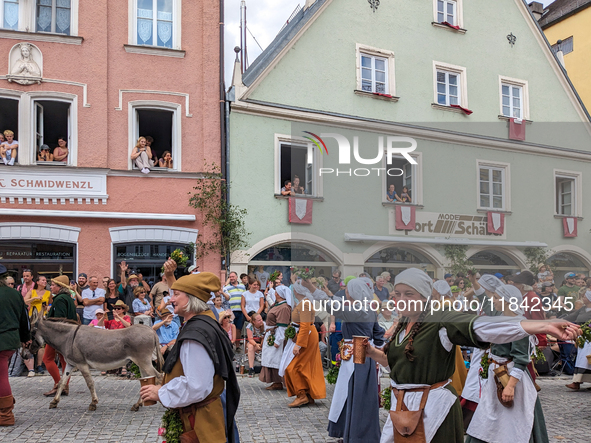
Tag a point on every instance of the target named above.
point(166, 160)
point(141, 154)
point(60, 154)
point(8, 148)
point(44, 154)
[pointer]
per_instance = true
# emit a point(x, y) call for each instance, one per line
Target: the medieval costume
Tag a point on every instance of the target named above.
point(470, 395)
point(63, 306)
point(354, 410)
point(582, 365)
point(278, 320)
point(14, 330)
point(422, 361)
point(522, 420)
point(197, 367)
point(301, 363)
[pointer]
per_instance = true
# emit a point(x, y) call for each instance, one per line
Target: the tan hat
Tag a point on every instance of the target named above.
point(163, 312)
point(133, 276)
point(120, 303)
point(198, 285)
point(62, 281)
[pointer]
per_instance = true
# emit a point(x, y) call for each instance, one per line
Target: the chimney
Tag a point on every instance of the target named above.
point(237, 75)
point(537, 10)
point(309, 3)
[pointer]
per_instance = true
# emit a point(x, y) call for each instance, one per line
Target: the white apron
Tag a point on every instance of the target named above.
point(438, 404)
point(271, 355)
point(582, 354)
point(288, 356)
point(495, 423)
point(474, 382)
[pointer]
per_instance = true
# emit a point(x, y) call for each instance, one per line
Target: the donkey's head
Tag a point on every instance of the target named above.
point(37, 341)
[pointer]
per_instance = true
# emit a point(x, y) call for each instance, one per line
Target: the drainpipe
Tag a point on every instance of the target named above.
point(223, 117)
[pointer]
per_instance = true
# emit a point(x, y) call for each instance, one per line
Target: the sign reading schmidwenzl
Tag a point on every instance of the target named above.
point(53, 185)
point(445, 224)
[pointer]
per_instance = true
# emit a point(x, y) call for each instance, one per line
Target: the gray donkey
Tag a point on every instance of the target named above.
point(85, 347)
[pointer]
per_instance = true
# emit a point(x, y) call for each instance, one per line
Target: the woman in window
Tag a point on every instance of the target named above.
point(44, 154)
point(60, 154)
point(166, 160)
point(296, 186)
point(141, 154)
point(391, 194)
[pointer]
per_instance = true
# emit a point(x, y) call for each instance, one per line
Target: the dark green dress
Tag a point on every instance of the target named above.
point(433, 363)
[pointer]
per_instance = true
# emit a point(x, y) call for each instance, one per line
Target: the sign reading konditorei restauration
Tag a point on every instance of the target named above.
point(444, 224)
point(50, 185)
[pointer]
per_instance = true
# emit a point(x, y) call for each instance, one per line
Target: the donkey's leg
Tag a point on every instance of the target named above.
point(65, 378)
point(85, 371)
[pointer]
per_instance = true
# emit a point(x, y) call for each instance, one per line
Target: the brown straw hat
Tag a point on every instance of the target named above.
point(62, 281)
point(120, 303)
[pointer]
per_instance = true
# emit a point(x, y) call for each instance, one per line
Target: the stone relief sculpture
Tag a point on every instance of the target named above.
point(26, 64)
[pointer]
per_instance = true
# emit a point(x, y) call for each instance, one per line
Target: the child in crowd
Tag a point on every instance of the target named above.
point(217, 304)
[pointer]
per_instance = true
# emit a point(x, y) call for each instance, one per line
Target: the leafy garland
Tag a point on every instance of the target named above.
point(274, 276)
point(585, 336)
point(290, 332)
point(538, 356)
point(386, 398)
point(333, 372)
point(135, 370)
point(484, 364)
point(181, 257)
point(304, 273)
point(172, 426)
point(271, 340)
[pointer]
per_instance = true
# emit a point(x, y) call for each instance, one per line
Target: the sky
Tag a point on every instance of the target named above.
point(265, 18)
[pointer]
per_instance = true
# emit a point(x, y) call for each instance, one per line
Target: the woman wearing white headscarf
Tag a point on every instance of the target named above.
point(421, 357)
point(512, 413)
point(301, 364)
point(354, 410)
point(582, 366)
point(278, 319)
point(484, 287)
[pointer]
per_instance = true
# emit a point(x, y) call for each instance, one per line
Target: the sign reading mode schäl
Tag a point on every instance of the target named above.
point(447, 224)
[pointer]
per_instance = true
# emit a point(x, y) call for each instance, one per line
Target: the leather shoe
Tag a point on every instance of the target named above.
point(52, 392)
point(310, 399)
point(275, 387)
point(301, 400)
point(574, 386)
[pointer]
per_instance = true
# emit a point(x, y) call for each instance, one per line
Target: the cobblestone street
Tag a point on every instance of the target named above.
point(262, 417)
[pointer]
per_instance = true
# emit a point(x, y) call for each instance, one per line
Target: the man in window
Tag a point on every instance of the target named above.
point(286, 190)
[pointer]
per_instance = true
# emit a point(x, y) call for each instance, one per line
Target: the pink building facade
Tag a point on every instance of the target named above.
point(99, 75)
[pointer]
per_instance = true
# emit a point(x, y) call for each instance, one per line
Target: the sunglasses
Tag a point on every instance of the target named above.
point(118, 309)
point(10, 284)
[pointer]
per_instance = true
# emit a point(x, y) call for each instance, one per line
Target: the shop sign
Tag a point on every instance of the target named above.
point(146, 252)
point(52, 185)
point(35, 252)
point(445, 224)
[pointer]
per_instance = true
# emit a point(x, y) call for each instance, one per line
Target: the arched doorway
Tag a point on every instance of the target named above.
point(395, 260)
point(492, 262)
point(563, 262)
point(283, 256)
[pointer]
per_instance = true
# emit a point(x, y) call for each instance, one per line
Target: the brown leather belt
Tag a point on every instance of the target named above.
point(435, 386)
point(201, 404)
point(491, 360)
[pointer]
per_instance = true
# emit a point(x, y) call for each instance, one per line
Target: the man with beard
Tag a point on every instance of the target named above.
point(62, 307)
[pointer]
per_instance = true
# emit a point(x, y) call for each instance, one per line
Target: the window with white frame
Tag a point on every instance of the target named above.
point(404, 178)
point(374, 74)
point(514, 97)
point(447, 12)
point(448, 88)
point(491, 187)
point(9, 14)
point(53, 16)
point(375, 71)
point(568, 193)
point(296, 165)
point(160, 125)
point(512, 100)
point(155, 23)
point(51, 123)
point(9, 119)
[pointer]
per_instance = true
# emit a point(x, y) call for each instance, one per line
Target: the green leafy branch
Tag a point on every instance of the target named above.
point(535, 256)
point(456, 254)
point(228, 232)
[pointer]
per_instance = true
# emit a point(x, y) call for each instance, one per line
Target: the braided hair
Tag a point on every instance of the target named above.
point(409, 349)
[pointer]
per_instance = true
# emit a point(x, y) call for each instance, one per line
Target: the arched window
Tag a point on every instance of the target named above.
point(395, 260)
point(492, 262)
point(563, 262)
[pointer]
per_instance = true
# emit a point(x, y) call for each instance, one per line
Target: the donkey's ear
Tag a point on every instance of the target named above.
point(34, 317)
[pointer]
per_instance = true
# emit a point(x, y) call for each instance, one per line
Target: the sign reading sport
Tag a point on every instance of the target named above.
point(443, 224)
